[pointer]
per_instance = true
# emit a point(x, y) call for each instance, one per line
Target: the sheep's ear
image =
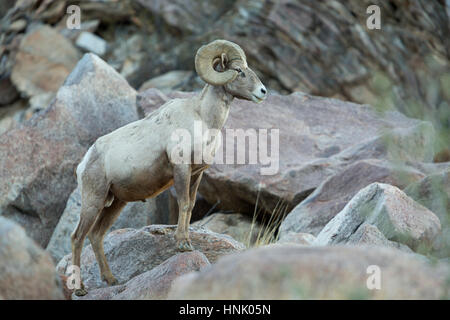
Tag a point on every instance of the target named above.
point(220, 64)
point(217, 64)
point(224, 61)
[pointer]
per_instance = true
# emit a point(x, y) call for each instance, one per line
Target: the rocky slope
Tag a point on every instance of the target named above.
point(354, 191)
point(27, 271)
point(342, 190)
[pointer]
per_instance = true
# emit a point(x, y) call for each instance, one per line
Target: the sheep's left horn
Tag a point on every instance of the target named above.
point(208, 53)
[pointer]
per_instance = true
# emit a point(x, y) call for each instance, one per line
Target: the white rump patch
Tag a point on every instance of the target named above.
point(82, 166)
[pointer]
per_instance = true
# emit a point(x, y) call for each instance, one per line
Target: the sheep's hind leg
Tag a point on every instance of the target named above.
point(182, 178)
point(88, 216)
point(97, 234)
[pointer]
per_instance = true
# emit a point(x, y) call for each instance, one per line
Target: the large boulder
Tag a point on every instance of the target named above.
point(44, 60)
point(237, 225)
point(131, 252)
point(155, 283)
point(313, 213)
point(151, 99)
point(302, 272)
point(38, 158)
point(301, 238)
point(317, 138)
point(433, 192)
point(398, 217)
point(169, 81)
point(134, 215)
point(370, 235)
point(26, 271)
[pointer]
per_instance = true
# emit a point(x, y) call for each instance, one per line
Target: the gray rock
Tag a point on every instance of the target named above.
point(193, 16)
point(5, 6)
point(433, 192)
point(17, 25)
point(38, 158)
point(91, 43)
point(45, 58)
point(305, 272)
point(129, 54)
point(131, 252)
point(398, 217)
point(27, 271)
point(153, 284)
point(297, 237)
point(368, 234)
point(238, 226)
point(167, 82)
point(313, 213)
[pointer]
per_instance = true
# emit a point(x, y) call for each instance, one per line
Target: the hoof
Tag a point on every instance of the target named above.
point(81, 292)
point(110, 280)
point(185, 245)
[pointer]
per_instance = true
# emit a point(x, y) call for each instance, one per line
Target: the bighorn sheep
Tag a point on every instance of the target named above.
point(135, 161)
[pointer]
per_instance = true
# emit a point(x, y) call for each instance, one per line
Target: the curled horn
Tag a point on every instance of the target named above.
point(207, 54)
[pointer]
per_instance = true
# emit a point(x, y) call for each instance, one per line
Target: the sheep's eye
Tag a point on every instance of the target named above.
point(241, 73)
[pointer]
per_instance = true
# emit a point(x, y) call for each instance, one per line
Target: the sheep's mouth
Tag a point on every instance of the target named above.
point(257, 99)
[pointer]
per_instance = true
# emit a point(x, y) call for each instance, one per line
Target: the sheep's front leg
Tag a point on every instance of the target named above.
point(195, 182)
point(182, 180)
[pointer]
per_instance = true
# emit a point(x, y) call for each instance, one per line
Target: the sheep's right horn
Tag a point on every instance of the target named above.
point(206, 55)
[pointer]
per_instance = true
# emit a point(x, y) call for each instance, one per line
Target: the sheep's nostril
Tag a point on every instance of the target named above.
point(263, 90)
